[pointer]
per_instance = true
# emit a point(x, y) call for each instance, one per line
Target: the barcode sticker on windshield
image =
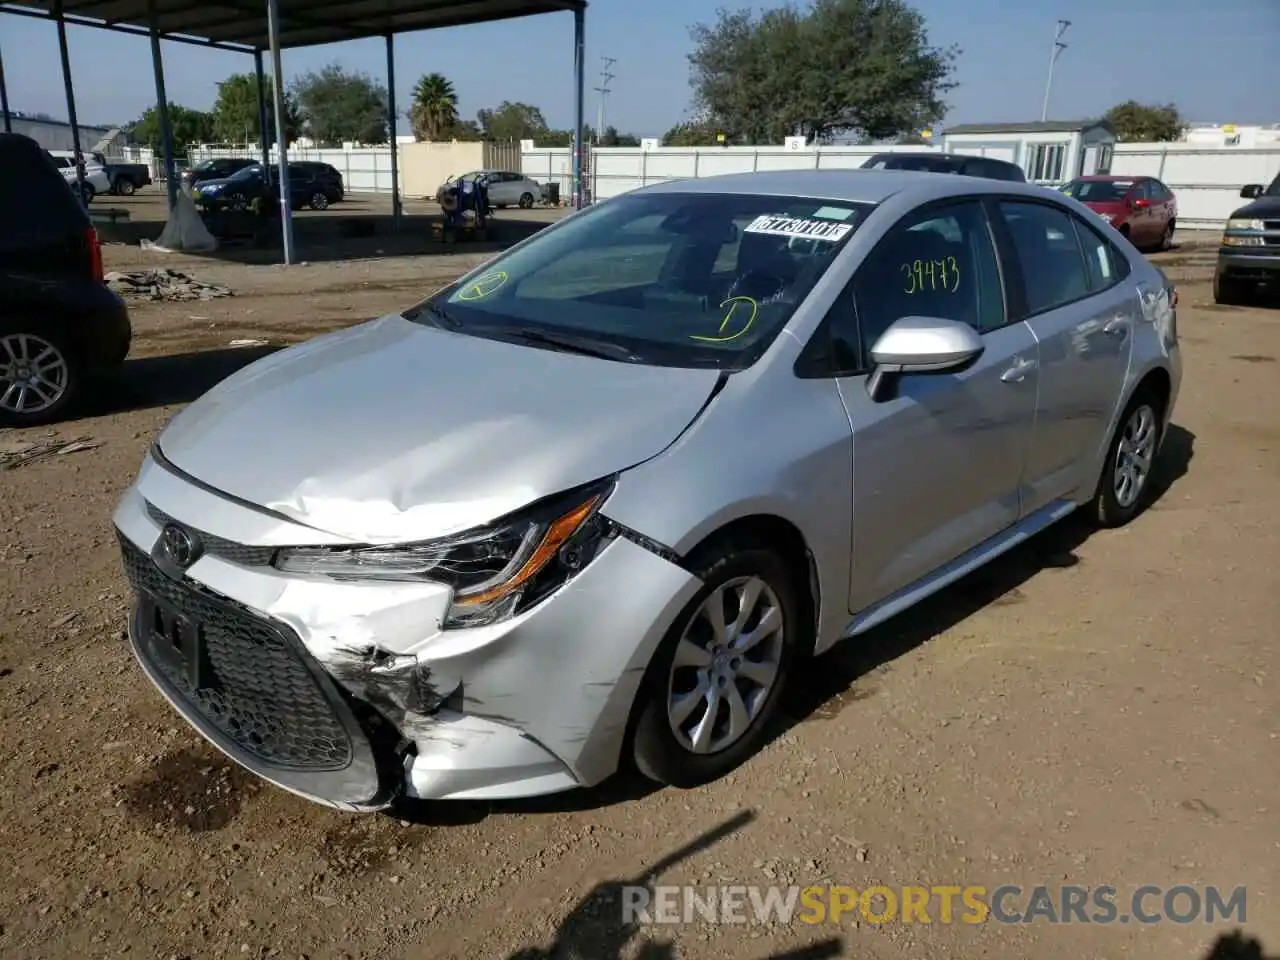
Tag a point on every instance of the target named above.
point(802, 227)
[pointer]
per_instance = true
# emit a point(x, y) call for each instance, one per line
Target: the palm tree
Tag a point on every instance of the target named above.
point(435, 107)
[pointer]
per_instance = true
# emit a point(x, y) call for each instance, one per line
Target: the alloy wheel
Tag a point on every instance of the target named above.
point(1134, 456)
point(34, 374)
point(725, 666)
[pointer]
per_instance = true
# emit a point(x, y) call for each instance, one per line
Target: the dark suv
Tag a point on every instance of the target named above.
point(326, 176)
point(1250, 252)
point(308, 187)
point(955, 163)
point(59, 324)
point(218, 169)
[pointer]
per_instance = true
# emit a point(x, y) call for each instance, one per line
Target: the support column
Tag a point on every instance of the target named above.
point(391, 133)
point(4, 98)
point(264, 142)
point(71, 96)
point(579, 87)
point(277, 95)
point(162, 109)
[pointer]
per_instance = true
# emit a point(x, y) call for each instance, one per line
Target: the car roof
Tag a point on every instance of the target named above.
point(36, 205)
point(1116, 176)
point(851, 186)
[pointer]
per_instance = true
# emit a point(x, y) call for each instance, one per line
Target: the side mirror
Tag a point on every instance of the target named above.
point(1251, 191)
point(922, 345)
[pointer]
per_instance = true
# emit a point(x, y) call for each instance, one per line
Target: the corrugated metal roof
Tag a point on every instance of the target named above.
point(1033, 126)
point(243, 23)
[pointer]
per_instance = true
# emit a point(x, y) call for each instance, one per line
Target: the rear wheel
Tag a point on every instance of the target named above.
point(1166, 240)
point(40, 374)
point(125, 187)
point(716, 679)
point(526, 201)
point(319, 201)
point(1126, 474)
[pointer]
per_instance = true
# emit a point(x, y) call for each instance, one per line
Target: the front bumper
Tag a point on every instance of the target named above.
point(534, 705)
point(1263, 264)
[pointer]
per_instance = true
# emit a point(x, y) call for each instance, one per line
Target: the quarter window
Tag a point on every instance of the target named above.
point(1053, 266)
point(936, 263)
point(1104, 264)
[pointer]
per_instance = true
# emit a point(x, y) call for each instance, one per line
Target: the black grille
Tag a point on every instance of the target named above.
point(255, 688)
point(241, 553)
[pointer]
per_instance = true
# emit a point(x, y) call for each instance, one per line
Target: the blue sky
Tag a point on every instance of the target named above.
point(1215, 60)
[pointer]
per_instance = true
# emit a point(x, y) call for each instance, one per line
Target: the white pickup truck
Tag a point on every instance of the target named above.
point(96, 180)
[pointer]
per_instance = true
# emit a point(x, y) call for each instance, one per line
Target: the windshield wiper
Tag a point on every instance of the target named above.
point(441, 316)
point(572, 343)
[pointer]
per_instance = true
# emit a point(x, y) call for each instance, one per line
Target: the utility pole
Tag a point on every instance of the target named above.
point(603, 91)
point(1058, 47)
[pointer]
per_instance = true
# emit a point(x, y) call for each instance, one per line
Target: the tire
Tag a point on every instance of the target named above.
point(662, 755)
point(526, 201)
point(126, 187)
point(1228, 292)
point(1166, 241)
point(1140, 430)
point(318, 201)
point(29, 341)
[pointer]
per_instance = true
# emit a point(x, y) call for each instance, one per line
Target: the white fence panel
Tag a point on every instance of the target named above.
point(1206, 180)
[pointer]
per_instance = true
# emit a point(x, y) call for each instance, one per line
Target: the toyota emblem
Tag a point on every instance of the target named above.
point(180, 547)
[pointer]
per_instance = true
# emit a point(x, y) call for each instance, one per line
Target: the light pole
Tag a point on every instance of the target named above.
point(1058, 47)
point(603, 91)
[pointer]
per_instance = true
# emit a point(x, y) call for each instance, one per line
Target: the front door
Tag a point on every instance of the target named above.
point(1082, 311)
point(937, 464)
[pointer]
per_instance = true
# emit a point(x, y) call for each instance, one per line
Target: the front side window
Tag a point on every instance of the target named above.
point(1044, 240)
point(936, 263)
point(681, 279)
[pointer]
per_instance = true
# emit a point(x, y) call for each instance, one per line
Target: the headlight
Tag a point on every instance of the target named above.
point(495, 571)
point(1241, 224)
point(1235, 240)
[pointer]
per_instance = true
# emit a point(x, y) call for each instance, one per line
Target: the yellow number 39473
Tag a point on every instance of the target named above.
point(941, 275)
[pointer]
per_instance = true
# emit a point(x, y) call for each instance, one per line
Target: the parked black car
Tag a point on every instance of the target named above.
point(60, 325)
point(956, 163)
point(308, 187)
point(218, 169)
point(326, 174)
point(1250, 252)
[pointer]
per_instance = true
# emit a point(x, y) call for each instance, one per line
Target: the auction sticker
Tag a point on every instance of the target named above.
point(803, 227)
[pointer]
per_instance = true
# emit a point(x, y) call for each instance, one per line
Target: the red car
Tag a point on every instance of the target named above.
point(1142, 208)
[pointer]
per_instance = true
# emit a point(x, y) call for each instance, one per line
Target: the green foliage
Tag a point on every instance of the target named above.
point(1145, 123)
point(188, 127)
point(464, 130)
point(612, 138)
point(337, 106)
point(513, 121)
point(840, 66)
point(691, 133)
point(235, 112)
point(433, 113)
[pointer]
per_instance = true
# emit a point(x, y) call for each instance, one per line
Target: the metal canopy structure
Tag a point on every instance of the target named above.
point(260, 27)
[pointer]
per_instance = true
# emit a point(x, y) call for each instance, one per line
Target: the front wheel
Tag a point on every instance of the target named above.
point(1228, 291)
point(1126, 474)
point(40, 375)
point(318, 201)
point(716, 679)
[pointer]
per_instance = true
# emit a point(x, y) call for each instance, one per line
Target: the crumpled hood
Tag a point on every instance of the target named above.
point(393, 431)
point(1262, 208)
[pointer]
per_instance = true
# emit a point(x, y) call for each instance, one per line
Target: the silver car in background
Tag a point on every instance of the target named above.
point(508, 189)
point(588, 505)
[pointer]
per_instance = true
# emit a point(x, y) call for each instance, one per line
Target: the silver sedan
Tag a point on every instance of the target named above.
point(589, 505)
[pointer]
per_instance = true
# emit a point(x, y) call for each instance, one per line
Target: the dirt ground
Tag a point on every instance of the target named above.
point(1097, 710)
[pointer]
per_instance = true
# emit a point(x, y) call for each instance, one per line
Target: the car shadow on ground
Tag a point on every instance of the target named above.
point(825, 684)
point(179, 378)
point(600, 927)
point(1236, 946)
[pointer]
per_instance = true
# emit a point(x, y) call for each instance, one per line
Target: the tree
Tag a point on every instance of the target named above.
point(1145, 123)
point(434, 111)
point(235, 112)
point(337, 106)
point(612, 138)
point(463, 130)
point(862, 66)
point(513, 121)
point(188, 127)
point(691, 133)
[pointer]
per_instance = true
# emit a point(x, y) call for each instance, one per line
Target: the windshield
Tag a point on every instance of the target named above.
point(681, 279)
point(247, 173)
point(1098, 191)
point(1274, 189)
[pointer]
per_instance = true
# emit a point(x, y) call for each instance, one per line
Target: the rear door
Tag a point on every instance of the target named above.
point(937, 464)
point(1070, 286)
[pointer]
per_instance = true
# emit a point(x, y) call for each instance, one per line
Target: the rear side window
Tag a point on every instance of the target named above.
point(1104, 264)
point(1044, 240)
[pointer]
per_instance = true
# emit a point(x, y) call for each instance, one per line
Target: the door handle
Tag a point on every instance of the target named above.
point(1117, 326)
point(1018, 372)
